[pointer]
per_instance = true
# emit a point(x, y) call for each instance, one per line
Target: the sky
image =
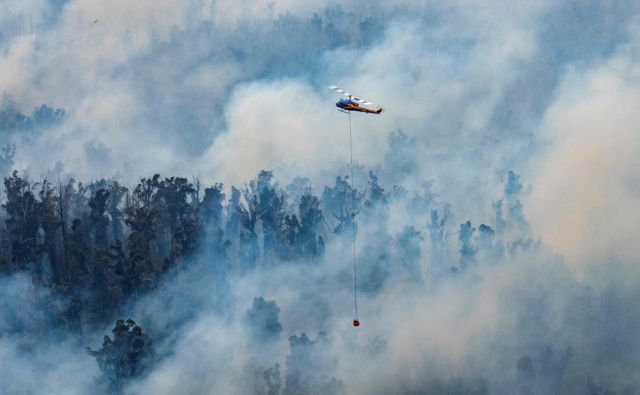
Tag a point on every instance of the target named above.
point(222, 89)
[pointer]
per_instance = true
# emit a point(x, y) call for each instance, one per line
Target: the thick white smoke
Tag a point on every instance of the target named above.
point(477, 88)
point(585, 199)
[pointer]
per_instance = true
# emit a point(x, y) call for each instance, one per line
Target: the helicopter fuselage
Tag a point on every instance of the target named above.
point(350, 105)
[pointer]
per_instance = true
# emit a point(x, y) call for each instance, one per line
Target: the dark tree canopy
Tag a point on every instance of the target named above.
point(262, 321)
point(96, 247)
point(125, 356)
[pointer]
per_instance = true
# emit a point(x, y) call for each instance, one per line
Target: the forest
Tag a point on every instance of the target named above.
point(96, 247)
point(178, 208)
point(90, 252)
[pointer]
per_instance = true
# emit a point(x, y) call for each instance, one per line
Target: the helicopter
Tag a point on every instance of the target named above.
point(353, 103)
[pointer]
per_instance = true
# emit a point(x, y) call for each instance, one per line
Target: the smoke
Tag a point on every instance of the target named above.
point(543, 301)
point(585, 201)
point(282, 125)
point(38, 359)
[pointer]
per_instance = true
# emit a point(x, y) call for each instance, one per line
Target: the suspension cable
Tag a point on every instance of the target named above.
point(353, 223)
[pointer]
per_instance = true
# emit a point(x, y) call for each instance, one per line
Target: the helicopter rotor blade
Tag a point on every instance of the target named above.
point(339, 90)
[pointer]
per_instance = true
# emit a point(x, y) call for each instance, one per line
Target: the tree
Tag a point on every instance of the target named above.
point(269, 208)
point(467, 250)
point(211, 217)
point(339, 201)
point(264, 203)
point(49, 223)
point(309, 366)
point(175, 218)
point(247, 237)
point(512, 192)
point(438, 237)
point(407, 244)
point(513, 185)
point(310, 217)
point(212, 206)
point(99, 221)
point(79, 254)
point(488, 248)
point(45, 116)
point(377, 254)
point(376, 192)
point(273, 379)
point(116, 193)
point(500, 222)
point(262, 321)
point(128, 355)
point(288, 238)
point(143, 230)
point(22, 221)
